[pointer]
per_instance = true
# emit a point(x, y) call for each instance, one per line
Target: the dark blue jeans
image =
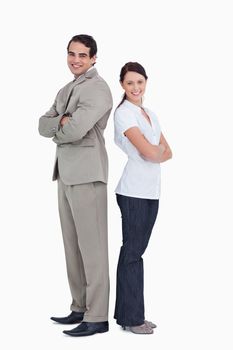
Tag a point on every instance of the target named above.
point(138, 218)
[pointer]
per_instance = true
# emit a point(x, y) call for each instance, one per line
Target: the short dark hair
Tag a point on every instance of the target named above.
point(131, 67)
point(86, 40)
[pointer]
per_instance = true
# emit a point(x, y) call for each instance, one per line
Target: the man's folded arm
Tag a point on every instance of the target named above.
point(49, 123)
point(89, 111)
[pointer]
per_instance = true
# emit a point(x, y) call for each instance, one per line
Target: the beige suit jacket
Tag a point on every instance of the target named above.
point(81, 156)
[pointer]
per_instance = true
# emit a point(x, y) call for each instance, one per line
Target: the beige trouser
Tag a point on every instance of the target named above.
point(83, 215)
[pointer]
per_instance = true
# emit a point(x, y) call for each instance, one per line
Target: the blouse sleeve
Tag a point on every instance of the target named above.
point(124, 120)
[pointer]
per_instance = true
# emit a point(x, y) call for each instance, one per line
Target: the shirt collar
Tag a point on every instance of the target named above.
point(132, 106)
point(80, 77)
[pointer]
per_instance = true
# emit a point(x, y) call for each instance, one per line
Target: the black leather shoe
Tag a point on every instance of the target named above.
point(88, 328)
point(74, 317)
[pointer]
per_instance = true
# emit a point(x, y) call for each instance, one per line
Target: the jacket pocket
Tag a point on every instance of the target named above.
point(85, 142)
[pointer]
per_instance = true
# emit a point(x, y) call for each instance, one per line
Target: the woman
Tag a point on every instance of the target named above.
point(138, 134)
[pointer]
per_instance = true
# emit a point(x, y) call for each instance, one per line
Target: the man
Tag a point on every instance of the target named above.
point(76, 122)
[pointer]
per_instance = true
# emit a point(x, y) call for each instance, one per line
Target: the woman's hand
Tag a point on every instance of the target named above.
point(167, 153)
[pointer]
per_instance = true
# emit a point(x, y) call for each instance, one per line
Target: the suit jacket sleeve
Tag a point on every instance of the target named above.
point(49, 123)
point(92, 105)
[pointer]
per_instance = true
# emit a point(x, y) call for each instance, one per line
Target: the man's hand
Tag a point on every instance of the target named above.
point(64, 120)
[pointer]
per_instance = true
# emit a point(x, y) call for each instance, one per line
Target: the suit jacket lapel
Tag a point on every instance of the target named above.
point(88, 75)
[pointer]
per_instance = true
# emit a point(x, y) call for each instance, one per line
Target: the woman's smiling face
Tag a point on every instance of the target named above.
point(134, 85)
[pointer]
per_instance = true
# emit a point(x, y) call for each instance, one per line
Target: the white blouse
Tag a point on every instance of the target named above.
point(141, 178)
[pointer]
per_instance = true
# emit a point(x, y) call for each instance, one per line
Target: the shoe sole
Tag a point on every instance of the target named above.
point(85, 333)
point(125, 328)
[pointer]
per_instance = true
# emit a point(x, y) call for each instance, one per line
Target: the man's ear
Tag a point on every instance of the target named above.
point(94, 59)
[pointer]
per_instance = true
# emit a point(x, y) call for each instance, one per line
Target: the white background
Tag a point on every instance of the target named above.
point(186, 48)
